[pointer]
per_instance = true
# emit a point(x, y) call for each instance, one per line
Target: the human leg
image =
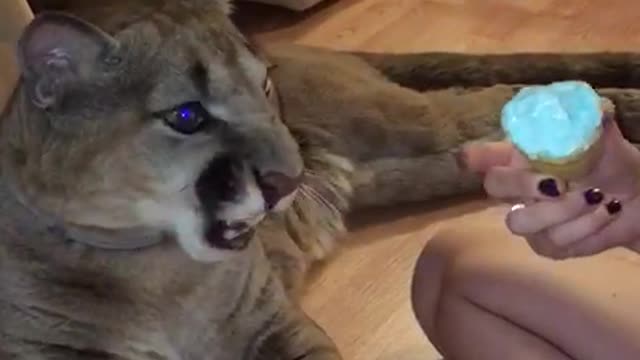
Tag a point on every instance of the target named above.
point(481, 293)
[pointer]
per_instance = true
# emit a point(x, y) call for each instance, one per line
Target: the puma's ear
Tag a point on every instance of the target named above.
point(56, 50)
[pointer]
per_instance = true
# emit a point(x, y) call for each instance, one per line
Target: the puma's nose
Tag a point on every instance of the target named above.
point(275, 186)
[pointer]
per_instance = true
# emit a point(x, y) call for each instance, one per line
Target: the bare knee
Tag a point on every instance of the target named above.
point(431, 281)
point(450, 261)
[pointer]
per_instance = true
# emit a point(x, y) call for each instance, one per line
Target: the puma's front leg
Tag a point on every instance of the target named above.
point(471, 115)
point(400, 142)
point(296, 338)
point(437, 126)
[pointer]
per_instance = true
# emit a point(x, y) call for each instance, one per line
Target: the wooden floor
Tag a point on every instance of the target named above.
point(362, 297)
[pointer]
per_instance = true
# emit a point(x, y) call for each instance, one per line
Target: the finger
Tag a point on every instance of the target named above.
point(484, 156)
point(508, 183)
point(541, 246)
point(543, 215)
point(610, 125)
point(581, 228)
point(617, 155)
point(620, 231)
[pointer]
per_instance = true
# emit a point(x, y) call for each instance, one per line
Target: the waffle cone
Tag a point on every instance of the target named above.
point(572, 167)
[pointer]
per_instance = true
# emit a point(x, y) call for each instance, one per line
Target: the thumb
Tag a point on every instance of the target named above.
point(618, 159)
point(611, 132)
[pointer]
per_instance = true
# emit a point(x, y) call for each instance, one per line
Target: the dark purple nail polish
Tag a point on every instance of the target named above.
point(549, 187)
point(593, 196)
point(614, 207)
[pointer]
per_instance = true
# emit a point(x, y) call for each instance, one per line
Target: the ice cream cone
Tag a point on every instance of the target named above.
point(585, 142)
point(572, 167)
point(579, 164)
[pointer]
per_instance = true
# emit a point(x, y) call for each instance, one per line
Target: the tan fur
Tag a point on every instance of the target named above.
point(370, 129)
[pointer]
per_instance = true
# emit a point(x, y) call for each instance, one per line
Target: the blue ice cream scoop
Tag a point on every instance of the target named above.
point(554, 121)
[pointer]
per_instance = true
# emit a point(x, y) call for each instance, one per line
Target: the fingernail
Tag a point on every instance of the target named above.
point(549, 187)
point(593, 196)
point(614, 207)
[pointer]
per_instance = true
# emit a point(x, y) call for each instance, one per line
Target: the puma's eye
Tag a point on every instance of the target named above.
point(267, 86)
point(187, 119)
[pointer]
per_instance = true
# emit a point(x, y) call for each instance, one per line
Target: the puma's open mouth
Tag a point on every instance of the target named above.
point(235, 198)
point(227, 236)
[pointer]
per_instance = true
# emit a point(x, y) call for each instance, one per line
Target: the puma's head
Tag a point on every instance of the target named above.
point(154, 117)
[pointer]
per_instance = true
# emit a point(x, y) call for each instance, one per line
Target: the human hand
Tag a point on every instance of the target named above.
point(562, 220)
